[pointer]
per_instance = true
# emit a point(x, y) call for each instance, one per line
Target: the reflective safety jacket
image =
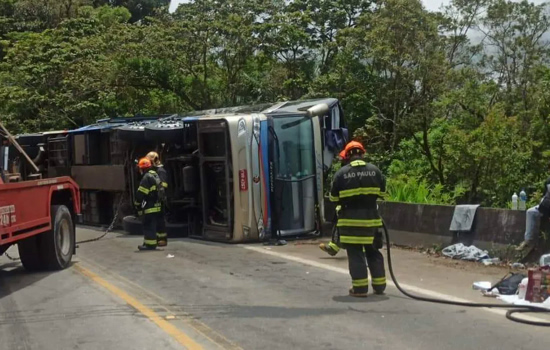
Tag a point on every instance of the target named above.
point(146, 200)
point(356, 187)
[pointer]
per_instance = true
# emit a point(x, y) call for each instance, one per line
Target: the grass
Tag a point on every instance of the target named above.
point(411, 190)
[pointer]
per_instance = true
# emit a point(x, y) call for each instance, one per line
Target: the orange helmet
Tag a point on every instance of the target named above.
point(144, 163)
point(354, 145)
point(343, 154)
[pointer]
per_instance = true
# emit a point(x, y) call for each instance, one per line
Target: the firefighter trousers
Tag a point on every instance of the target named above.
point(162, 236)
point(151, 224)
point(358, 256)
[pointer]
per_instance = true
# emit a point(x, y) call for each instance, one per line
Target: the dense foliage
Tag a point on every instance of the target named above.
point(452, 105)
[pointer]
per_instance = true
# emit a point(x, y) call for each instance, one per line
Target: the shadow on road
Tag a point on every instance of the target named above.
point(243, 311)
point(17, 279)
point(350, 299)
point(341, 257)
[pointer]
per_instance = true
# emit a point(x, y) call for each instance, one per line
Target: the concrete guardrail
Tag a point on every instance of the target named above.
point(426, 225)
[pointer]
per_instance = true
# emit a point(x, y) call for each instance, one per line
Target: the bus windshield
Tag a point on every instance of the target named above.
point(295, 141)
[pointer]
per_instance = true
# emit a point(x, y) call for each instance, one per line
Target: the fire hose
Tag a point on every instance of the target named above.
point(509, 315)
point(111, 226)
point(115, 218)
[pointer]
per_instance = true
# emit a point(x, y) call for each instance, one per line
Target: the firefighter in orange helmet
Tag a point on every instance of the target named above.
point(148, 204)
point(356, 188)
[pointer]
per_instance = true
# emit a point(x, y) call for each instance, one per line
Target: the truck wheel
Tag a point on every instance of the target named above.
point(132, 225)
point(57, 245)
point(176, 230)
point(29, 253)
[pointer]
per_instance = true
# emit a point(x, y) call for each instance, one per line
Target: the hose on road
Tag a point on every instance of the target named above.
point(115, 218)
point(111, 226)
point(509, 314)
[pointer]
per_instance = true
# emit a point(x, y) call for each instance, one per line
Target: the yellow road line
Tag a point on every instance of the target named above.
point(200, 327)
point(173, 331)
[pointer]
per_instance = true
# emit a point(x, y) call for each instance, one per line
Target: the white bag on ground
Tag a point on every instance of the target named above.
point(460, 251)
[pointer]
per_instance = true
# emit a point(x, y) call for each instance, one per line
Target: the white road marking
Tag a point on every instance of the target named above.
point(408, 287)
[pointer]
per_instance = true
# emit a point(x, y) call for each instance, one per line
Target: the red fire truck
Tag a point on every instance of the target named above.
point(39, 216)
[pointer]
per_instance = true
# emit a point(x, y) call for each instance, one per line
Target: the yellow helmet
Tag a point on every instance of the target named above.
point(154, 158)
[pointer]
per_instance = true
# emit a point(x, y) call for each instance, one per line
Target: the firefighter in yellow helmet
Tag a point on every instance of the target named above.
point(356, 187)
point(162, 236)
point(148, 203)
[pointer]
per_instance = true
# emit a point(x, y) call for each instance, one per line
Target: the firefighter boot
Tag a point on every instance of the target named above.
point(145, 247)
point(331, 248)
point(353, 293)
point(162, 239)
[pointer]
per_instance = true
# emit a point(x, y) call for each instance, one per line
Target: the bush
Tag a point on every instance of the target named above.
point(413, 190)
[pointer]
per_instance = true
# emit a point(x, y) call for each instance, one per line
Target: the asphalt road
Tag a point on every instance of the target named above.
point(214, 296)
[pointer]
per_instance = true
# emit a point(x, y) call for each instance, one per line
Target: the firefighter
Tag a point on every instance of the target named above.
point(162, 236)
point(356, 187)
point(149, 204)
point(333, 247)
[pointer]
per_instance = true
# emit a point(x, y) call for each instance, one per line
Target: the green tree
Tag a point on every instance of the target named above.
point(56, 79)
point(139, 9)
point(515, 48)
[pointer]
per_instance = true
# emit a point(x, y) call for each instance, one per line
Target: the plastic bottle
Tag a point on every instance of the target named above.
point(515, 201)
point(522, 200)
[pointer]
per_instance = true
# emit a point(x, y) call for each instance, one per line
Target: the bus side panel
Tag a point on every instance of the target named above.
point(243, 208)
point(317, 143)
point(265, 171)
point(257, 177)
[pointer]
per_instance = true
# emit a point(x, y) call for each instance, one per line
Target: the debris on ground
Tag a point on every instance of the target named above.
point(508, 285)
point(493, 293)
point(516, 300)
point(482, 285)
point(169, 256)
point(486, 289)
point(517, 265)
point(493, 261)
point(462, 252)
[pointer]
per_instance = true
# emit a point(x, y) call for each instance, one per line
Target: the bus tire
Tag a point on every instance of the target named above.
point(132, 225)
point(30, 139)
point(29, 253)
point(166, 135)
point(127, 133)
point(57, 245)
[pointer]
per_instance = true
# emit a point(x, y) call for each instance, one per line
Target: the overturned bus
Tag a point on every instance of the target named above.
point(237, 174)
